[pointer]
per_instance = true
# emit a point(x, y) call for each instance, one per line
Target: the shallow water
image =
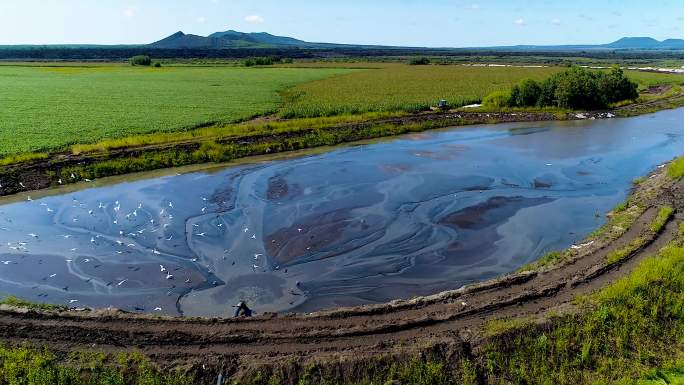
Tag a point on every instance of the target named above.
point(356, 225)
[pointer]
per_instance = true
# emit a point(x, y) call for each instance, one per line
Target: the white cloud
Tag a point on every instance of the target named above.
point(130, 12)
point(556, 21)
point(201, 19)
point(519, 22)
point(254, 19)
point(473, 6)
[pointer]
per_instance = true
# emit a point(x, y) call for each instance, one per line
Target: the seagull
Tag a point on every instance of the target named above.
point(22, 185)
point(29, 197)
point(202, 234)
point(53, 275)
point(204, 209)
point(122, 282)
point(157, 309)
point(171, 204)
point(256, 256)
point(59, 181)
point(253, 236)
point(66, 236)
point(90, 212)
point(73, 176)
point(50, 210)
point(156, 252)
point(170, 238)
point(73, 301)
point(246, 229)
point(5, 262)
point(32, 235)
point(163, 269)
point(169, 276)
point(92, 240)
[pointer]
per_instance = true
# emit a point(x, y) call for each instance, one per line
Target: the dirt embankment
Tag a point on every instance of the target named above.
point(42, 174)
point(453, 319)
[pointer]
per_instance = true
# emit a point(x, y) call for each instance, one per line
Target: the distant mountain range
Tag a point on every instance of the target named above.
point(241, 40)
point(235, 39)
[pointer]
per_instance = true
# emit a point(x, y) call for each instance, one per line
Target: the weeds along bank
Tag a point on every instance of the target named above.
point(630, 330)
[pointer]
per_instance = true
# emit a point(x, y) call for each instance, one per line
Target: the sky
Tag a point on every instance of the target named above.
point(425, 23)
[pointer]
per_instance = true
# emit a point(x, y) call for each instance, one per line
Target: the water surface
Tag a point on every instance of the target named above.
point(365, 224)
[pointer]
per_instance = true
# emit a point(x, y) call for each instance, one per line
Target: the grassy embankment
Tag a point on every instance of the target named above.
point(131, 107)
point(630, 332)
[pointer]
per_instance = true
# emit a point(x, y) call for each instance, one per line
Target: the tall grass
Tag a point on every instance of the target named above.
point(676, 168)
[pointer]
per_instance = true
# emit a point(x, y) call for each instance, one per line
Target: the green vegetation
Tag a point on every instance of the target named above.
point(141, 60)
point(403, 88)
point(676, 168)
point(53, 107)
point(419, 61)
point(575, 88)
point(266, 61)
point(669, 376)
point(23, 366)
point(661, 219)
point(656, 225)
point(16, 302)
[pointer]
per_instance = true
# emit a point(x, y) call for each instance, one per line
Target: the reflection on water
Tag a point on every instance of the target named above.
point(365, 224)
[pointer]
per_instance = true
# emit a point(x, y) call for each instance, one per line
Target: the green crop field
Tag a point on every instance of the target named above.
point(403, 87)
point(46, 108)
point(412, 88)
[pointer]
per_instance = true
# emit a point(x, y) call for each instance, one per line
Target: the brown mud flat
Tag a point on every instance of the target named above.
point(41, 174)
point(453, 320)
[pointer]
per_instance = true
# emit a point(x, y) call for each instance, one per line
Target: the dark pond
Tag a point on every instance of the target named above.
point(356, 225)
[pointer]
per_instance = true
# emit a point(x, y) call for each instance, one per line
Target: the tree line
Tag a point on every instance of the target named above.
point(574, 88)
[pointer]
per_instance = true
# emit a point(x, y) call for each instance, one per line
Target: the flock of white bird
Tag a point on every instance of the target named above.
point(126, 240)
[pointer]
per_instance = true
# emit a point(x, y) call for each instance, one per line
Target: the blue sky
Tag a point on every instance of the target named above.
point(434, 23)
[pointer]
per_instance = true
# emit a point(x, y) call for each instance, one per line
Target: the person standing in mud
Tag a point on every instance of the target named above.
point(242, 310)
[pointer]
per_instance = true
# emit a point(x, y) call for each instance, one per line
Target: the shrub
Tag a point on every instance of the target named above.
point(263, 61)
point(575, 88)
point(529, 94)
point(497, 99)
point(157, 65)
point(141, 60)
point(419, 61)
